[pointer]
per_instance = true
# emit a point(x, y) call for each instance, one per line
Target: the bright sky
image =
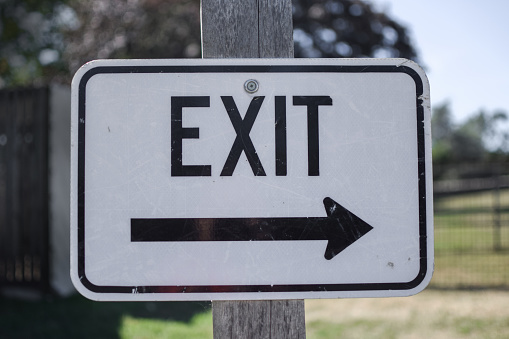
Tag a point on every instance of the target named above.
point(464, 48)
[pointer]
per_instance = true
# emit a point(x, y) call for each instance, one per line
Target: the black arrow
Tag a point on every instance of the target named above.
point(341, 228)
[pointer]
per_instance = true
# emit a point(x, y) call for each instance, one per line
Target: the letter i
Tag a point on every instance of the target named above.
point(280, 126)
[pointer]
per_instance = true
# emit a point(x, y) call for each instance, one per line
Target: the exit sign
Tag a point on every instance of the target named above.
point(251, 179)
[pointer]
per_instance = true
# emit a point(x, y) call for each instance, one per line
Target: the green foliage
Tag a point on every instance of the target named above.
point(30, 41)
point(441, 151)
point(347, 28)
point(112, 29)
point(477, 139)
point(47, 40)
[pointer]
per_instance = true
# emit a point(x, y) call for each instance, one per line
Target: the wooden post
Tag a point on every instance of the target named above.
point(268, 319)
point(251, 29)
point(247, 29)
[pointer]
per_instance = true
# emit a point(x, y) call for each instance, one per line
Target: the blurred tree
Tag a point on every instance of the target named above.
point(42, 40)
point(441, 131)
point(478, 138)
point(133, 29)
point(481, 136)
point(170, 29)
point(30, 40)
point(347, 28)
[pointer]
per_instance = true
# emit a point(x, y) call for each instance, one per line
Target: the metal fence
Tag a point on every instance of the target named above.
point(24, 188)
point(472, 232)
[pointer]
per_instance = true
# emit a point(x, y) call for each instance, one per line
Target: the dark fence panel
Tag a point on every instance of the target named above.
point(24, 188)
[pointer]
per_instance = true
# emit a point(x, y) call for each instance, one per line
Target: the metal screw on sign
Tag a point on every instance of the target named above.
point(251, 86)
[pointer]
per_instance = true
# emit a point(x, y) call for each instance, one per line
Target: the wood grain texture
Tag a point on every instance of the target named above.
point(252, 29)
point(275, 29)
point(287, 319)
point(229, 28)
point(264, 319)
point(247, 29)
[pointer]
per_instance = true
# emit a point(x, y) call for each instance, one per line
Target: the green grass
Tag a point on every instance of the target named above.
point(430, 314)
point(455, 240)
point(482, 270)
point(199, 326)
point(371, 328)
point(77, 317)
point(470, 251)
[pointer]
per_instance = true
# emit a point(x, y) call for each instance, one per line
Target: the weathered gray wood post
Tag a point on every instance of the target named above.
point(251, 29)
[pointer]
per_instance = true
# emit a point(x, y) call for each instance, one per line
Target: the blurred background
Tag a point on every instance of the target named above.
point(461, 45)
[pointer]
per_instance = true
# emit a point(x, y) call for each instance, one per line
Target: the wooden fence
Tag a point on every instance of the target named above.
point(472, 228)
point(24, 188)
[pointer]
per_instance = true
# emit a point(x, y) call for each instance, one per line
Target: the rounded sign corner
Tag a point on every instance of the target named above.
point(81, 285)
point(423, 284)
point(83, 70)
point(423, 77)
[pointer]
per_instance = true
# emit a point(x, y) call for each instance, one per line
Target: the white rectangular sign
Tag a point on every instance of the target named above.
point(251, 179)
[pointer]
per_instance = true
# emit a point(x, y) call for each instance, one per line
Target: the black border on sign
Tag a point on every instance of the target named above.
point(253, 69)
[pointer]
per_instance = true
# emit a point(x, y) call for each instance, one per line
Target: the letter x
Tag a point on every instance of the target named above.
point(242, 141)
